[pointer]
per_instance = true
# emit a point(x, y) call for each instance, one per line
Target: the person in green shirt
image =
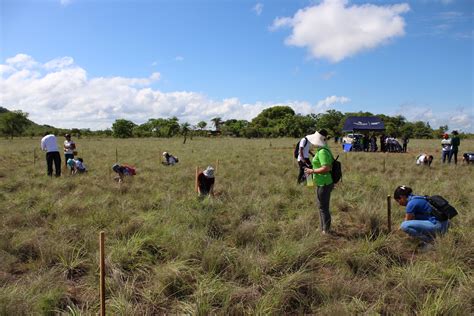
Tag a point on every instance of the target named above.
point(322, 164)
point(455, 142)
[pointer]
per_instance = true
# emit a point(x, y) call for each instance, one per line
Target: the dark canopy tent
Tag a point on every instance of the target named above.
point(363, 123)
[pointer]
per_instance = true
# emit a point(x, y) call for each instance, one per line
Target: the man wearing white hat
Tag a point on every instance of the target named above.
point(321, 168)
point(206, 182)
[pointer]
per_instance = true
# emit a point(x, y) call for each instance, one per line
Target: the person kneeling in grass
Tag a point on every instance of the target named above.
point(424, 159)
point(76, 165)
point(419, 220)
point(123, 171)
point(206, 182)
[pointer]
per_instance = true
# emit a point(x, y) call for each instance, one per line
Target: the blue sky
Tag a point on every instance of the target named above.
point(86, 63)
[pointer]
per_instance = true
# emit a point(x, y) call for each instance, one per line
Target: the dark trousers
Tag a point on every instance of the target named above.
point(404, 148)
point(455, 155)
point(323, 197)
point(55, 157)
point(302, 165)
point(446, 154)
point(66, 157)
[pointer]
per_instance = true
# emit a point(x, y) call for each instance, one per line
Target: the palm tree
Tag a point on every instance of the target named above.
point(201, 125)
point(217, 122)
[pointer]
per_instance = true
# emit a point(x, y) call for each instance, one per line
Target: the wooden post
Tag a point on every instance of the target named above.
point(102, 273)
point(116, 154)
point(196, 180)
point(389, 213)
point(34, 156)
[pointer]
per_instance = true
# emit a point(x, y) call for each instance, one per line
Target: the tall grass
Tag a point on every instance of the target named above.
point(253, 249)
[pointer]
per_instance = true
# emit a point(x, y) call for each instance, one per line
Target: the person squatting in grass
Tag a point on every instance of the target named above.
point(303, 158)
point(76, 165)
point(69, 148)
point(206, 182)
point(49, 145)
point(468, 158)
point(419, 221)
point(424, 159)
point(170, 160)
point(123, 171)
point(321, 168)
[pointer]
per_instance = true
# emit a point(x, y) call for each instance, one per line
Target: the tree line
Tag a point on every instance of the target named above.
point(277, 121)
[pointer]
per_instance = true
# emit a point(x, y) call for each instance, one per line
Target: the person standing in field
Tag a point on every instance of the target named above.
point(455, 142)
point(206, 182)
point(49, 145)
point(419, 221)
point(405, 143)
point(69, 148)
point(321, 168)
point(446, 148)
point(303, 158)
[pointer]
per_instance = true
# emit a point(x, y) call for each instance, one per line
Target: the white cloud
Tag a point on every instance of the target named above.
point(179, 58)
point(460, 119)
point(331, 101)
point(61, 94)
point(258, 8)
point(334, 30)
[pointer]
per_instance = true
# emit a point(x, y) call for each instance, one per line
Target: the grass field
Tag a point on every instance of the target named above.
point(254, 249)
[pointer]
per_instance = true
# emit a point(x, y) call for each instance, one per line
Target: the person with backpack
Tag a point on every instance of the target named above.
point(321, 168)
point(302, 153)
point(206, 182)
point(420, 220)
point(122, 171)
point(170, 160)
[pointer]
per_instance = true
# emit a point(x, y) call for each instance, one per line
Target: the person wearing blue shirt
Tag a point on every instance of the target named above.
point(419, 221)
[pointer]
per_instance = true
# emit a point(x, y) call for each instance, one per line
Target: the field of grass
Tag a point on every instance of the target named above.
point(254, 249)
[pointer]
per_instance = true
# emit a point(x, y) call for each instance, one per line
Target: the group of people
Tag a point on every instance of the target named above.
point(53, 157)
point(206, 178)
point(450, 147)
point(420, 221)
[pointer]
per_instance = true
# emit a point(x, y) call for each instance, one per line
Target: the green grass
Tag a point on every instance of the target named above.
point(254, 249)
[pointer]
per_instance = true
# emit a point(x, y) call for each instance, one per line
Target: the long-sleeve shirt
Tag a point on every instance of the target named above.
point(48, 143)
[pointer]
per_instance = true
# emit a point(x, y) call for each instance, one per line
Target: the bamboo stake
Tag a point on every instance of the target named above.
point(196, 180)
point(389, 213)
point(102, 274)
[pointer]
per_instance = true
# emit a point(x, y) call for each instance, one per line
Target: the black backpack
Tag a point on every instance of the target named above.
point(297, 148)
point(440, 208)
point(336, 170)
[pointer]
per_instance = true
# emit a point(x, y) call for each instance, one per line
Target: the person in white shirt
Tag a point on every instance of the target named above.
point(69, 148)
point(303, 158)
point(49, 145)
point(424, 159)
point(445, 147)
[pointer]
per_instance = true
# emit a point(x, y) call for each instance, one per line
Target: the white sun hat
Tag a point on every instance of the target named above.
point(317, 139)
point(165, 153)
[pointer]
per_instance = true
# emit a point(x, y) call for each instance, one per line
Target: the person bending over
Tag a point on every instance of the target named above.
point(419, 221)
point(424, 159)
point(170, 160)
point(123, 171)
point(76, 165)
point(206, 181)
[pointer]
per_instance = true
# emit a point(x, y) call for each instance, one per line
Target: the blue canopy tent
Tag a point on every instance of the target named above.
point(363, 123)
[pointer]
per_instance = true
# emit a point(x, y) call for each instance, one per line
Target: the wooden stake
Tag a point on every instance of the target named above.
point(116, 154)
point(196, 180)
point(34, 156)
point(102, 273)
point(389, 213)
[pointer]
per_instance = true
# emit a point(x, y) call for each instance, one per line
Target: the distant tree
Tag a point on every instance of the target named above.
point(13, 123)
point(184, 129)
point(331, 121)
point(123, 128)
point(76, 131)
point(3, 110)
point(201, 125)
point(217, 122)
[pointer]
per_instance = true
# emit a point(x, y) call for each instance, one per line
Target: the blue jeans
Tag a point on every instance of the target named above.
point(445, 155)
point(424, 229)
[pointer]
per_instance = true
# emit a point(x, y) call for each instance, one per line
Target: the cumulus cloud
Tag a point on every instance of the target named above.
point(60, 93)
point(258, 8)
point(334, 30)
point(331, 101)
point(461, 118)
